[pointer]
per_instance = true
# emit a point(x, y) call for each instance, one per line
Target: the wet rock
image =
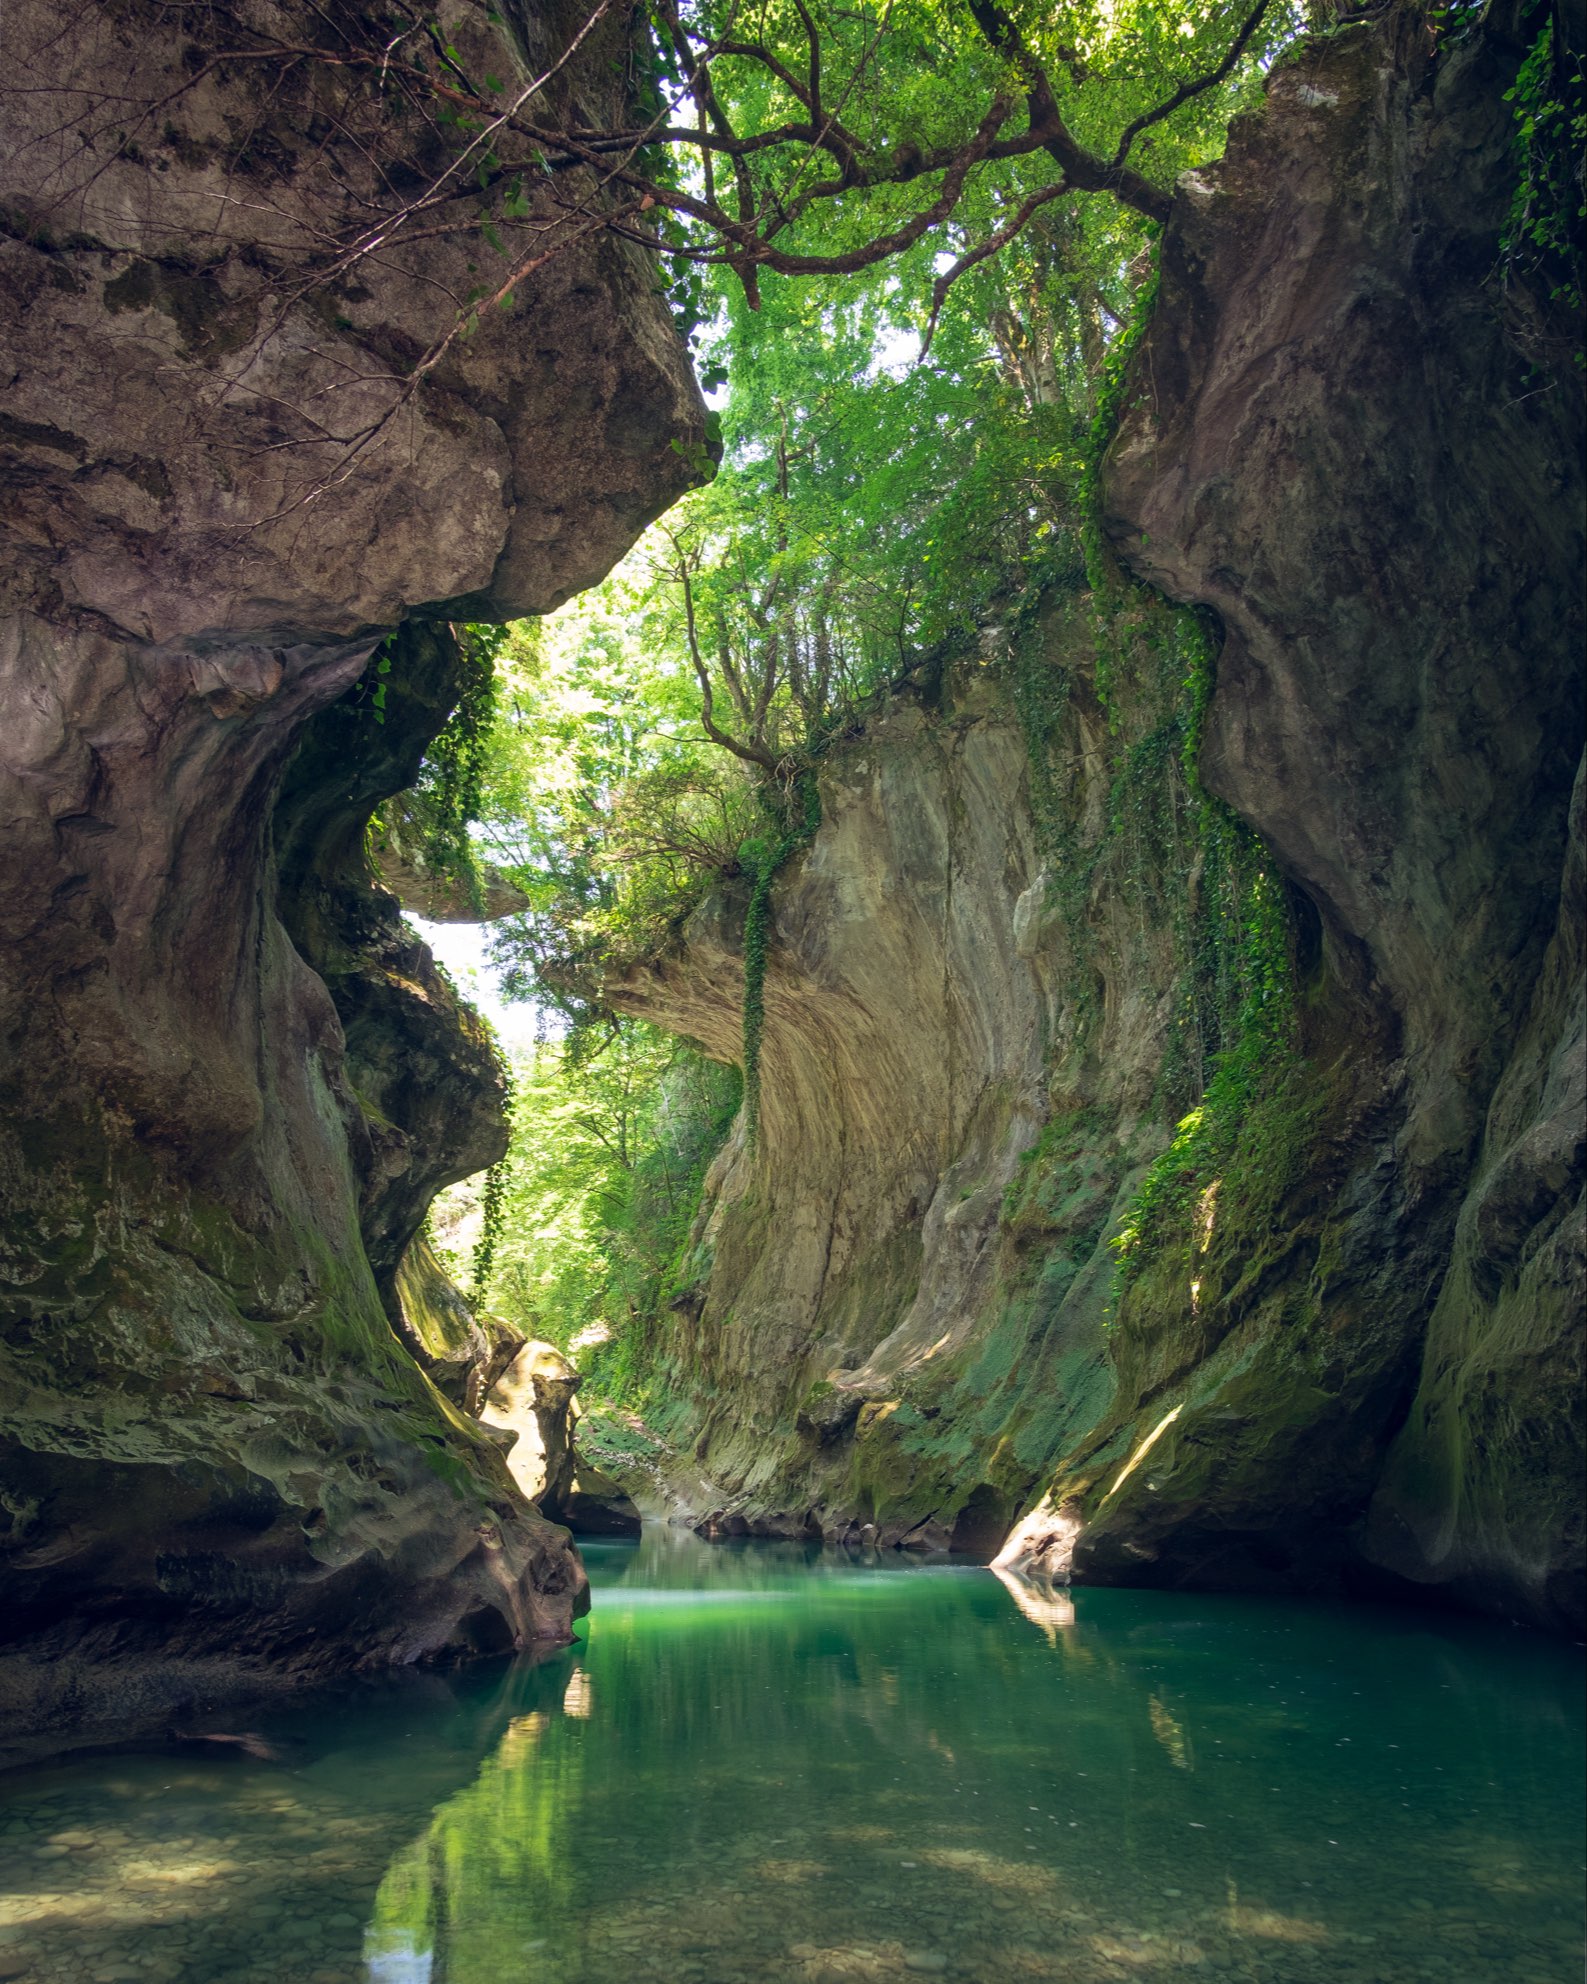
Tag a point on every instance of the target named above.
point(534, 1401)
point(231, 1084)
point(596, 1505)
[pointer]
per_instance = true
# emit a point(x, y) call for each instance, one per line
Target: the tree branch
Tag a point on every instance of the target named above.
point(1195, 88)
point(1083, 169)
point(750, 753)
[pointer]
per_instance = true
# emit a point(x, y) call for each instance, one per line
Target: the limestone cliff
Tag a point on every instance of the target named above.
point(230, 1082)
point(893, 1311)
point(1355, 1353)
point(1338, 442)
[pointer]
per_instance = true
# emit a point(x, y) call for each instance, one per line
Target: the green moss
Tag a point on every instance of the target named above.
point(455, 1472)
point(1246, 1114)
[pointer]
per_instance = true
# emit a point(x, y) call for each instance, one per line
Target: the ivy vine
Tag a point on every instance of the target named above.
point(1232, 1037)
point(761, 857)
point(1262, 1051)
point(1542, 234)
point(449, 794)
point(493, 1214)
point(493, 1198)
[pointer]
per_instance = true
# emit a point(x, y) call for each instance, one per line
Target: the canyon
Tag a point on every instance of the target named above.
point(1360, 1363)
point(239, 1442)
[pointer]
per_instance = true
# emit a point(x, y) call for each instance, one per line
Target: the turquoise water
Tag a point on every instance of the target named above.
point(764, 1764)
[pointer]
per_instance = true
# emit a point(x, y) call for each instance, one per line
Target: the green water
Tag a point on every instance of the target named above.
point(767, 1765)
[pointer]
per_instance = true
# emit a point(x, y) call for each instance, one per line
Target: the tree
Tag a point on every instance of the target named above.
point(792, 137)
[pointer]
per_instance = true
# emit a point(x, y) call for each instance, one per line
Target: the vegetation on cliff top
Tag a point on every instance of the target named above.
point(874, 510)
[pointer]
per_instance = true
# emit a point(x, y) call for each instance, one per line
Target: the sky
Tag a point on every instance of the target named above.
point(461, 948)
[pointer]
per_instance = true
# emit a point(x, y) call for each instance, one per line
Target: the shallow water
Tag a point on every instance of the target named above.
point(768, 1764)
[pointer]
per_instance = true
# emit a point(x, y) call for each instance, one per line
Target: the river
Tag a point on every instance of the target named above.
point(766, 1763)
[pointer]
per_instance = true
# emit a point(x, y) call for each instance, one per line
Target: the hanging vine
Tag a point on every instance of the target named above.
point(1231, 1044)
point(493, 1198)
point(493, 1212)
point(1543, 235)
point(762, 857)
point(449, 794)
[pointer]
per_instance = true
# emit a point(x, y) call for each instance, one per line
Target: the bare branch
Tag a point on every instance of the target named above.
point(750, 753)
point(1195, 88)
point(1000, 238)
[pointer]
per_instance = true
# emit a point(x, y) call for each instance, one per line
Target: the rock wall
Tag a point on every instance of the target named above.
point(1344, 440)
point(228, 1083)
point(902, 1074)
point(533, 1410)
point(1360, 1360)
point(890, 1314)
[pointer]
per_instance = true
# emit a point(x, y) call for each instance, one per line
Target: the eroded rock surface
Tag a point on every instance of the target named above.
point(1364, 1364)
point(914, 1013)
point(533, 1403)
point(1338, 443)
point(215, 1456)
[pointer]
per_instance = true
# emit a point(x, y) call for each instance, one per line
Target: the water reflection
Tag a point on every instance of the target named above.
point(392, 1957)
point(179, 1868)
point(768, 1763)
point(1048, 1607)
point(792, 1767)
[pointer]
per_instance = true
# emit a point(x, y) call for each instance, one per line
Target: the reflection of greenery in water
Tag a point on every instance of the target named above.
point(768, 1765)
point(496, 1848)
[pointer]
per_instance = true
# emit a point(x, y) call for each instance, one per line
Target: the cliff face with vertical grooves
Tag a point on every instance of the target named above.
point(1337, 441)
point(229, 1084)
point(1357, 1358)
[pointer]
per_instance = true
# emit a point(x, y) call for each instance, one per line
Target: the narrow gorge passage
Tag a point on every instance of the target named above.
point(775, 1761)
point(793, 991)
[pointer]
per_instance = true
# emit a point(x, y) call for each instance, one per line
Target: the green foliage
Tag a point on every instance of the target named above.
point(600, 804)
point(493, 1217)
point(1187, 864)
point(870, 517)
point(598, 1192)
point(371, 689)
point(1543, 232)
point(1231, 1044)
point(870, 513)
point(1257, 1064)
point(449, 796)
point(435, 817)
point(1101, 574)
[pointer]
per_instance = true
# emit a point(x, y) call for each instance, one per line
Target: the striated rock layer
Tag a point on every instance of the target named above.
point(1361, 1361)
point(887, 1317)
point(1337, 443)
point(229, 1082)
